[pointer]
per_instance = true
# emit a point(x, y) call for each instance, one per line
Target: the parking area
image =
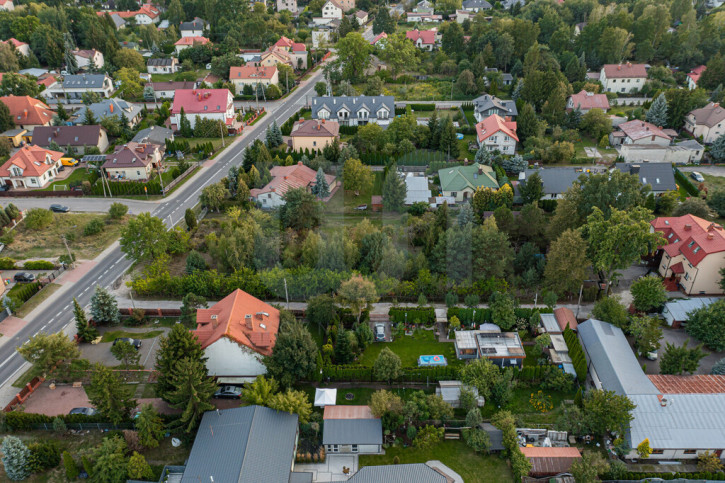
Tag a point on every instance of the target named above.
point(677, 337)
point(53, 402)
point(387, 328)
point(101, 352)
point(8, 276)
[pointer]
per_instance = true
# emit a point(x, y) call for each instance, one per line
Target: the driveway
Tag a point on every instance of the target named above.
point(677, 337)
point(8, 275)
point(331, 469)
point(388, 329)
point(57, 401)
point(101, 352)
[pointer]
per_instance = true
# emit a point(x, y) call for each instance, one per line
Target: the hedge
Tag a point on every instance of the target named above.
point(576, 353)
point(424, 315)
point(685, 183)
point(531, 373)
point(22, 292)
point(22, 421)
point(483, 315)
point(350, 130)
point(633, 476)
point(120, 188)
point(410, 374)
point(39, 265)
point(423, 107)
point(7, 263)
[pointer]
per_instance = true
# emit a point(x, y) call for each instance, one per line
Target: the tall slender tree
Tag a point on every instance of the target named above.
point(85, 332)
point(657, 113)
point(179, 343)
point(192, 393)
point(321, 188)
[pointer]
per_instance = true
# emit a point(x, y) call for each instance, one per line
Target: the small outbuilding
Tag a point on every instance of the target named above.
point(678, 312)
point(450, 391)
point(351, 429)
point(550, 461)
point(325, 397)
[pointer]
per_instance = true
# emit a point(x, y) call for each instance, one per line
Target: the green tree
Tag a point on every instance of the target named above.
point(717, 150)
point(452, 41)
point(192, 391)
point(131, 84)
point(677, 360)
point(260, 391)
point(144, 237)
point(355, 51)
point(104, 308)
point(46, 351)
point(532, 189)
point(150, 427)
point(177, 344)
point(110, 464)
point(387, 366)
point(566, 265)
point(321, 189)
point(448, 141)
point(502, 310)
point(117, 211)
point(293, 402)
point(195, 262)
point(647, 333)
point(644, 449)
point(321, 88)
point(708, 325)
point(527, 123)
point(357, 293)
point(611, 310)
point(189, 305)
point(138, 468)
point(294, 356)
point(649, 294)
point(185, 129)
point(131, 59)
point(126, 353)
point(709, 462)
point(6, 120)
point(657, 113)
point(15, 458)
point(394, 190)
point(596, 123)
point(301, 210)
point(693, 206)
point(343, 349)
point(109, 396)
point(589, 467)
point(383, 22)
point(356, 176)
point(86, 333)
point(606, 411)
point(38, 218)
point(718, 368)
point(716, 201)
point(321, 311)
point(213, 195)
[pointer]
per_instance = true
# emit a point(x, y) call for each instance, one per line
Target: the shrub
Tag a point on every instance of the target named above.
point(93, 227)
point(44, 455)
point(117, 211)
point(59, 425)
point(38, 218)
point(7, 263)
point(71, 468)
point(38, 265)
point(87, 465)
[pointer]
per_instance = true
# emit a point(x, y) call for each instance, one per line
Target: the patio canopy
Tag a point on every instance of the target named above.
point(325, 397)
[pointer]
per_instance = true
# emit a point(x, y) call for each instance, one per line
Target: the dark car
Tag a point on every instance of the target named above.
point(59, 208)
point(83, 411)
point(229, 392)
point(134, 342)
point(24, 277)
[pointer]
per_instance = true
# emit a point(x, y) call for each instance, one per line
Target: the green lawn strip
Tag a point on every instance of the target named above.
point(36, 300)
point(24, 378)
point(470, 117)
point(115, 334)
point(162, 322)
point(472, 466)
point(531, 359)
point(463, 147)
point(149, 391)
point(78, 174)
point(258, 118)
point(409, 348)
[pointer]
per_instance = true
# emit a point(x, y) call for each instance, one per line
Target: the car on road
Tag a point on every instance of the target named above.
point(24, 277)
point(379, 332)
point(56, 208)
point(134, 342)
point(229, 392)
point(83, 411)
point(697, 177)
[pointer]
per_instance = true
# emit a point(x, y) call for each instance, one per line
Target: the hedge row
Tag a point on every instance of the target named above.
point(121, 188)
point(531, 373)
point(423, 315)
point(7, 263)
point(718, 476)
point(39, 265)
point(422, 107)
point(576, 353)
point(350, 130)
point(21, 293)
point(483, 315)
point(410, 374)
point(685, 183)
point(22, 421)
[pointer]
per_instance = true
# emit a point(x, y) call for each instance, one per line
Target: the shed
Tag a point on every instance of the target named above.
point(495, 437)
point(565, 318)
point(376, 203)
point(450, 391)
point(676, 312)
point(549, 324)
point(352, 435)
point(550, 461)
point(417, 189)
point(325, 397)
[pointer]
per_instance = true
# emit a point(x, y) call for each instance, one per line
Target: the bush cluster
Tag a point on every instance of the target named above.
point(38, 265)
point(423, 315)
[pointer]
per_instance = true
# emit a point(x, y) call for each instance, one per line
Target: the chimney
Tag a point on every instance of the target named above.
point(25, 113)
point(634, 169)
point(248, 321)
point(629, 64)
point(619, 67)
point(299, 163)
point(711, 227)
point(710, 236)
point(688, 227)
point(110, 108)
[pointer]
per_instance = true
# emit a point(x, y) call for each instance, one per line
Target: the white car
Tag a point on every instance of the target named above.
point(697, 177)
point(379, 332)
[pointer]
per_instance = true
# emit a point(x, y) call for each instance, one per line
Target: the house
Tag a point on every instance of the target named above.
point(20, 47)
point(639, 132)
point(694, 76)
point(351, 429)
point(497, 134)
point(163, 66)
point(186, 42)
point(659, 176)
point(424, 39)
point(461, 182)
point(361, 17)
point(682, 416)
point(694, 253)
point(7, 5)
point(417, 189)
point(249, 75)
point(685, 152)
point(215, 104)
point(379, 40)
point(404, 473)
point(424, 6)
point(313, 134)
point(488, 105)
point(332, 10)
point(550, 461)
point(236, 333)
point(153, 135)
point(354, 110)
point(677, 312)
point(28, 113)
point(476, 5)
point(285, 178)
point(78, 138)
point(450, 391)
point(72, 87)
point(132, 162)
point(586, 101)
point(555, 181)
point(462, 15)
point(502, 348)
point(118, 21)
point(558, 321)
point(706, 123)
point(251, 443)
point(16, 136)
point(623, 78)
point(195, 28)
point(85, 59)
point(114, 107)
point(166, 90)
point(423, 17)
point(30, 167)
point(289, 5)
point(147, 14)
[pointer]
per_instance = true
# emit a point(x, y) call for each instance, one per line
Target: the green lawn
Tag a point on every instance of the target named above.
point(522, 408)
point(463, 147)
point(115, 334)
point(473, 467)
point(408, 348)
point(470, 117)
point(78, 174)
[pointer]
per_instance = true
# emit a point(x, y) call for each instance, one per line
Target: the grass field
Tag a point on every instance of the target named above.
point(408, 348)
point(473, 467)
point(524, 411)
point(115, 334)
point(48, 242)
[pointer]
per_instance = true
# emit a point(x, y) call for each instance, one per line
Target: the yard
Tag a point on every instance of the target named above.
point(457, 455)
point(115, 334)
point(48, 242)
point(520, 405)
point(78, 175)
point(408, 348)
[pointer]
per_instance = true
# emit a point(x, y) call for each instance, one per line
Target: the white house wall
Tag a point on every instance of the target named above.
point(227, 359)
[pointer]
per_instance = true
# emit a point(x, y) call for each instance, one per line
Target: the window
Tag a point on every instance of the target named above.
point(670, 236)
point(335, 448)
point(690, 451)
point(697, 249)
point(689, 265)
point(314, 143)
point(354, 448)
point(138, 173)
point(687, 276)
point(658, 451)
point(690, 244)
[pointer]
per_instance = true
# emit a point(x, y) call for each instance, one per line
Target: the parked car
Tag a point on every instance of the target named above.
point(134, 342)
point(68, 161)
point(697, 177)
point(24, 277)
point(229, 392)
point(379, 332)
point(56, 208)
point(83, 411)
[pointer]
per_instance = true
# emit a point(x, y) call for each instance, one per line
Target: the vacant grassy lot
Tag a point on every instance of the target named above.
point(473, 467)
point(408, 348)
point(48, 242)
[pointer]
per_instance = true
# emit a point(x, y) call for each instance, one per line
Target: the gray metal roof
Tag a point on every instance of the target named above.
point(690, 144)
point(416, 190)
point(410, 473)
point(154, 135)
point(659, 176)
point(678, 310)
point(103, 109)
point(476, 4)
point(160, 62)
point(84, 81)
point(251, 443)
point(353, 104)
point(611, 357)
point(300, 477)
point(503, 108)
point(352, 431)
point(548, 321)
point(495, 437)
point(556, 180)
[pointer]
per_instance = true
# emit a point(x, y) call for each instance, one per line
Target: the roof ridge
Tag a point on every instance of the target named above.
point(249, 436)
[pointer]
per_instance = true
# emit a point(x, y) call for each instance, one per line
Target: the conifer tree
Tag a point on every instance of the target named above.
point(192, 393)
point(321, 188)
point(112, 399)
point(657, 113)
point(179, 343)
point(104, 308)
point(85, 332)
point(394, 190)
point(15, 458)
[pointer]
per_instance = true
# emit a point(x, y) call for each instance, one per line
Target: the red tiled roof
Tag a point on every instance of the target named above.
point(691, 236)
point(284, 42)
point(28, 111)
point(678, 268)
point(696, 73)
point(628, 70)
point(636, 129)
point(241, 318)
point(315, 128)
point(698, 384)
point(589, 100)
point(564, 316)
point(299, 47)
point(192, 41)
point(131, 155)
point(33, 160)
point(194, 100)
point(47, 82)
point(550, 461)
point(428, 37)
point(348, 412)
point(252, 72)
point(149, 10)
point(380, 36)
point(493, 124)
point(285, 178)
point(15, 42)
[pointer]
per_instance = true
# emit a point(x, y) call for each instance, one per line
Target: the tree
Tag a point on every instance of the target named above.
point(449, 142)
point(502, 310)
point(6, 120)
point(321, 311)
point(343, 348)
point(707, 324)
point(532, 189)
point(177, 344)
point(321, 88)
point(293, 402)
point(144, 237)
point(383, 22)
point(356, 176)
point(611, 310)
point(394, 190)
point(387, 366)
point(131, 84)
point(357, 293)
point(647, 333)
point(15, 458)
point(589, 467)
point(382, 402)
point(150, 426)
point(596, 123)
point(607, 411)
point(353, 53)
point(709, 462)
point(104, 308)
point(528, 125)
point(566, 263)
point(483, 156)
point(127, 58)
point(110, 461)
point(138, 467)
point(716, 201)
point(189, 305)
point(213, 195)
point(321, 189)
point(260, 391)
point(677, 360)
point(644, 449)
point(125, 352)
point(718, 368)
point(117, 211)
point(294, 355)
point(301, 210)
point(693, 206)
point(185, 129)
point(192, 391)
point(109, 396)
point(85, 332)
point(649, 294)
point(46, 351)
point(657, 113)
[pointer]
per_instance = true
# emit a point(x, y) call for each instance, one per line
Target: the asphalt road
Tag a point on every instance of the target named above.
point(114, 264)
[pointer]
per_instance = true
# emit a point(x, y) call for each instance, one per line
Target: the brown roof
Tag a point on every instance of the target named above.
point(709, 115)
point(636, 129)
point(564, 316)
point(315, 128)
point(705, 384)
point(131, 155)
point(28, 111)
point(171, 86)
point(590, 100)
point(628, 70)
point(550, 461)
point(67, 135)
point(348, 412)
point(285, 178)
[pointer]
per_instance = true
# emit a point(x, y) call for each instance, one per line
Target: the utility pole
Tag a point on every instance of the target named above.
point(70, 255)
point(286, 294)
point(221, 131)
point(161, 180)
point(578, 304)
point(133, 304)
